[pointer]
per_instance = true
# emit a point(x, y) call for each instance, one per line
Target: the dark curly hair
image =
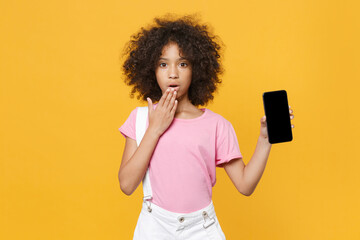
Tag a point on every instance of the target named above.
point(196, 43)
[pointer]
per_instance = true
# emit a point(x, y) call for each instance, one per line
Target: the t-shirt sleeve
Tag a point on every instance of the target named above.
point(128, 128)
point(227, 146)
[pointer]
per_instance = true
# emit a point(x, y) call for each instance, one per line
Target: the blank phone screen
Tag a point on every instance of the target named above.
point(277, 116)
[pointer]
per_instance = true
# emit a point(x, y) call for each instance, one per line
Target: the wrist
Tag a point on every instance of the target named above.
point(264, 141)
point(151, 131)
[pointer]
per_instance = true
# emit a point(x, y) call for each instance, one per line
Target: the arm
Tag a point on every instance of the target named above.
point(135, 160)
point(246, 178)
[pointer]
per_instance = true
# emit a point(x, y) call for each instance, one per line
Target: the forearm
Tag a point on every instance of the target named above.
point(133, 171)
point(256, 166)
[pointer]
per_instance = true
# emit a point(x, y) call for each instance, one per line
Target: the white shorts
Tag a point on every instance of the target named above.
point(160, 224)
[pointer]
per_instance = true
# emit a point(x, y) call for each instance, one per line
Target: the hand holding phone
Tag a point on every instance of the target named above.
point(277, 116)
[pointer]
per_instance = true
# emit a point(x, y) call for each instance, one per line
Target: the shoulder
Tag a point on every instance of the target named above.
point(133, 114)
point(217, 117)
point(223, 126)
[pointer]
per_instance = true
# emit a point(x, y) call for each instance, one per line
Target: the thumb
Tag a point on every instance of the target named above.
point(263, 120)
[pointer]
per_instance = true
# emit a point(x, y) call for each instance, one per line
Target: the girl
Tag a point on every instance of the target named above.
point(176, 64)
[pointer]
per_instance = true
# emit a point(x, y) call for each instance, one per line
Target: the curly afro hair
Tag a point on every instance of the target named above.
point(196, 43)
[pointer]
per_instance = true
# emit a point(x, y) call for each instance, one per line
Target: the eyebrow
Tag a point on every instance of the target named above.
point(177, 59)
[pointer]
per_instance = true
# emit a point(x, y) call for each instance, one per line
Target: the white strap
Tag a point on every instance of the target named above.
point(141, 117)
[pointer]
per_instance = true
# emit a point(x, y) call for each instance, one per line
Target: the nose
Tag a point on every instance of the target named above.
point(173, 72)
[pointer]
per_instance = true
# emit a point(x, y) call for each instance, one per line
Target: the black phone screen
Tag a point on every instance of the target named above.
point(277, 116)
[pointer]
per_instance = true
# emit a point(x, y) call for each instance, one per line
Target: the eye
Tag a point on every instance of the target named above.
point(161, 65)
point(184, 65)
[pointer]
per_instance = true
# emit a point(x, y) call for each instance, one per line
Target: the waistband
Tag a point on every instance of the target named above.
point(205, 215)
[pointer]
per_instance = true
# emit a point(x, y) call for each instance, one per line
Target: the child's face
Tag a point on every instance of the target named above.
point(173, 70)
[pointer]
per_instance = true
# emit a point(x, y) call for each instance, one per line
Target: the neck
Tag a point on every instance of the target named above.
point(183, 104)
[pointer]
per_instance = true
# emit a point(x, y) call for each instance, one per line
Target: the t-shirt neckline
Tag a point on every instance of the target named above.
point(190, 119)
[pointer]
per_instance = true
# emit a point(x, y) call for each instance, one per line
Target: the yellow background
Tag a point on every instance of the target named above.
point(63, 100)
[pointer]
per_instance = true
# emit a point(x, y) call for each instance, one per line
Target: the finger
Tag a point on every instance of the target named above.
point(292, 126)
point(150, 105)
point(174, 108)
point(163, 97)
point(172, 100)
point(291, 116)
point(168, 98)
point(290, 111)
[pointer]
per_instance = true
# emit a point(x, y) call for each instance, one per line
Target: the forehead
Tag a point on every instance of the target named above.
point(171, 49)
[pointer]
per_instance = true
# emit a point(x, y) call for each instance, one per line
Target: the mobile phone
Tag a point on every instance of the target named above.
point(277, 116)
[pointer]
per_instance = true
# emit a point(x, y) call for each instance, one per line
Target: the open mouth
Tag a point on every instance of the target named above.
point(174, 86)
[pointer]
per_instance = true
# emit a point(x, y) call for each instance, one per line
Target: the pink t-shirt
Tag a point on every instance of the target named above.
point(182, 167)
